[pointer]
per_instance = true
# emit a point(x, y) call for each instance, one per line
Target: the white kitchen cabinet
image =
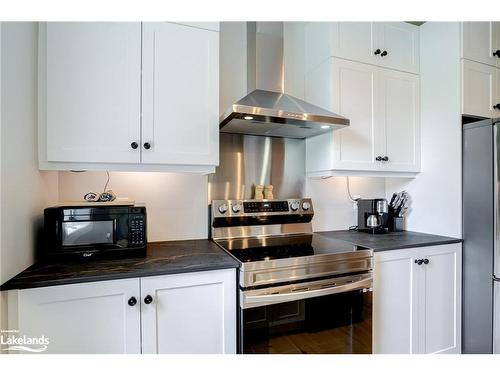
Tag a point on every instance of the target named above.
point(417, 307)
point(479, 89)
point(129, 96)
point(480, 40)
point(400, 96)
point(80, 318)
point(180, 94)
point(401, 42)
point(190, 313)
point(384, 112)
point(90, 89)
point(393, 45)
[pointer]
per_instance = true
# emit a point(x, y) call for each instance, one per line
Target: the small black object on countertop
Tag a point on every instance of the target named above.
point(162, 258)
point(391, 240)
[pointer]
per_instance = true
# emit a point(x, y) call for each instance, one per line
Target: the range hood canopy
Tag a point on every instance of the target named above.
point(252, 55)
point(276, 114)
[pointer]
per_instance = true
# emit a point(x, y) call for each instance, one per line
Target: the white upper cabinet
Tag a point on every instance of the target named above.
point(90, 91)
point(481, 41)
point(180, 94)
point(384, 112)
point(417, 300)
point(192, 313)
point(393, 45)
point(400, 93)
point(400, 45)
point(126, 96)
point(349, 88)
point(479, 89)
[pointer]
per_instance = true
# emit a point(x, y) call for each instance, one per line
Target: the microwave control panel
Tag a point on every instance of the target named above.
point(137, 235)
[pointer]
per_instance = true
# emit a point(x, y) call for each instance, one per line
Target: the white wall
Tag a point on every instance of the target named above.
point(332, 208)
point(436, 192)
point(176, 203)
point(24, 190)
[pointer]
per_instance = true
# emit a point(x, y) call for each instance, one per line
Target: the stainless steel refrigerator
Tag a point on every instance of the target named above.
point(481, 233)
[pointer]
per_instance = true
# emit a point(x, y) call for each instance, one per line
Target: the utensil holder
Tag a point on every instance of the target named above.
point(396, 224)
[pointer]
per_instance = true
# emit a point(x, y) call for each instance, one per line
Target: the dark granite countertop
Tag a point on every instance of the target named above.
point(391, 240)
point(162, 258)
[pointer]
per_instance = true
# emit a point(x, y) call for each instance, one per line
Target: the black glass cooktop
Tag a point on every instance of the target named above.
point(280, 247)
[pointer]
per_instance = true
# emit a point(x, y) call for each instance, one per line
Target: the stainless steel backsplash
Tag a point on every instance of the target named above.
point(246, 161)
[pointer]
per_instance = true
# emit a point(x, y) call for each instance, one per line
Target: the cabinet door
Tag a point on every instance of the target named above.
point(180, 94)
point(190, 313)
point(478, 89)
point(89, 90)
point(348, 40)
point(401, 116)
point(441, 310)
point(81, 318)
point(400, 41)
point(396, 293)
point(347, 88)
point(479, 41)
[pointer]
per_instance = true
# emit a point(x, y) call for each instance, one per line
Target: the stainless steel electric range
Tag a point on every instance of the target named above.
point(299, 291)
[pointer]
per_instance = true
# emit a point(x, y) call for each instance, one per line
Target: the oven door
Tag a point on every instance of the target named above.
point(326, 316)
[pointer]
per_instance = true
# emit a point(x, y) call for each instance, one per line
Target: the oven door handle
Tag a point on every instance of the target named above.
point(249, 299)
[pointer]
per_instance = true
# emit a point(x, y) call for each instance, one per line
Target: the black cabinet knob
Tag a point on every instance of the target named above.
point(384, 53)
point(497, 106)
point(419, 261)
point(148, 299)
point(147, 145)
point(426, 261)
point(378, 158)
point(385, 158)
point(134, 145)
point(497, 53)
point(377, 51)
point(132, 301)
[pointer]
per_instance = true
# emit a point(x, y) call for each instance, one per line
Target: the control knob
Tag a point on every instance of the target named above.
point(236, 208)
point(223, 208)
point(306, 206)
point(294, 206)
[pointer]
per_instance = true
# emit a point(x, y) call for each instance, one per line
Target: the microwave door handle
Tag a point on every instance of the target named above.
point(248, 301)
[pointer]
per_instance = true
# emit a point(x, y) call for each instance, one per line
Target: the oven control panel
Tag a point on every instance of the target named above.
point(261, 207)
point(271, 206)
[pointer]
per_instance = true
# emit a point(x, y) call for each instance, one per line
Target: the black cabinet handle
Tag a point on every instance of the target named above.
point(377, 51)
point(497, 106)
point(419, 261)
point(378, 158)
point(132, 301)
point(497, 53)
point(385, 158)
point(148, 299)
point(134, 145)
point(426, 261)
point(384, 53)
point(147, 145)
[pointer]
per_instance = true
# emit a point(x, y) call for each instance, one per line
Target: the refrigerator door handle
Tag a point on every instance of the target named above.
point(496, 219)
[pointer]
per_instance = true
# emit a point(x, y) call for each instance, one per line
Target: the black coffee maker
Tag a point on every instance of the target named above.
point(373, 216)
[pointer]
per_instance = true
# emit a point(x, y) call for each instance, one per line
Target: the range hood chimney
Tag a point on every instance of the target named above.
point(266, 110)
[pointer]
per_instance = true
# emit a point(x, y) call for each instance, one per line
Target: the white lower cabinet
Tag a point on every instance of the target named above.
point(188, 313)
point(417, 300)
point(80, 318)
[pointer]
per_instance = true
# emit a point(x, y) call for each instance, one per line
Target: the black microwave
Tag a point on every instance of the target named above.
point(94, 231)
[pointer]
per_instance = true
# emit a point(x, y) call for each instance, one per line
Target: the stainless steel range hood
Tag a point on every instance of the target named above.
point(278, 115)
point(271, 113)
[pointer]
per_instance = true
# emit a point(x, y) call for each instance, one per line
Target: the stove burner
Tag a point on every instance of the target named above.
point(256, 254)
